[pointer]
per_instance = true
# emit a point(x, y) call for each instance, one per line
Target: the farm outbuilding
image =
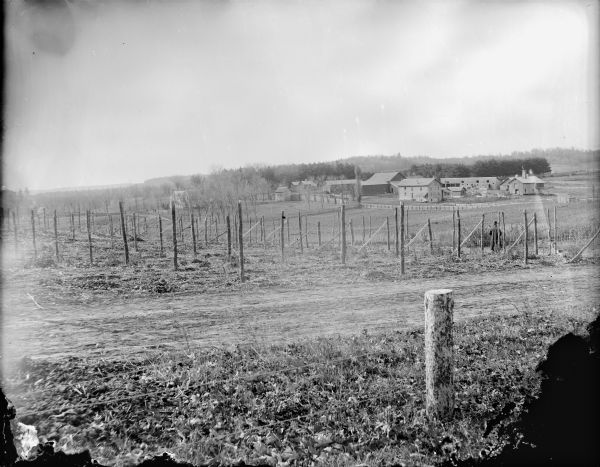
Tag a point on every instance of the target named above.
point(340, 186)
point(526, 184)
point(283, 193)
point(420, 189)
point(380, 183)
point(455, 191)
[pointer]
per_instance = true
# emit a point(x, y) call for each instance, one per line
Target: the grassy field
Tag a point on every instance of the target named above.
point(331, 401)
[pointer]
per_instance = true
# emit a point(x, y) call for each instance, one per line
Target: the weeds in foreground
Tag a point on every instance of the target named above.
point(335, 401)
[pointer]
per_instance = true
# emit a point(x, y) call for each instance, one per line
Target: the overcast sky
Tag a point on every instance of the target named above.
point(114, 92)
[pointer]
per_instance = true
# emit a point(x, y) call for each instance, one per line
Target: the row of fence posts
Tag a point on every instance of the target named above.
point(400, 233)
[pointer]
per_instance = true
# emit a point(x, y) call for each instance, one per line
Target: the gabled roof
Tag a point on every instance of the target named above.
point(528, 179)
point(414, 181)
point(380, 178)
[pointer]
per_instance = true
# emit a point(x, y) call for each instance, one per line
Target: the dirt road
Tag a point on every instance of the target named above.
point(125, 328)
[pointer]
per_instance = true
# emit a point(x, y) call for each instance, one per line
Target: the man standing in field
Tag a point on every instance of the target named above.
point(495, 237)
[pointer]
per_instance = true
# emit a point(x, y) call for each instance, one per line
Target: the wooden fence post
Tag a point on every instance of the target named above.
point(124, 232)
point(79, 216)
point(343, 233)
point(73, 226)
point(396, 240)
point(33, 234)
point(228, 221)
point(481, 233)
point(160, 234)
point(55, 235)
point(111, 229)
point(504, 240)
point(206, 230)
point(351, 233)
point(241, 234)
point(401, 238)
point(193, 227)
point(549, 230)
point(300, 232)
point(282, 235)
point(134, 223)
point(387, 226)
point(458, 237)
point(439, 353)
point(526, 241)
point(555, 233)
point(174, 222)
point(535, 234)
point(319, 231)
point(363, 231)
point(430, 236)
point(88, 221)
point(453, 229)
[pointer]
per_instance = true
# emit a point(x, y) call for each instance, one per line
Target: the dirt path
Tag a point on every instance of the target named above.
point(126, 328)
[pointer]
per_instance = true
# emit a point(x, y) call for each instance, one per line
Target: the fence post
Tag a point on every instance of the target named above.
point(134, 232)
point(88, 221)
point(401, 238)
point(241, 234)
point(396, 240)
point(124, 232)
point(55, 235)
point(351, 233)
point(453, 229)
point(300, 232)
point(282, 235)
point(363, 232)
point(228, 222)
point(555, 233)
point(439, 353)
point(193, 232)
point(79, 216)
point(504, 240)
point(387, 226)
point(73, 226)
point(458, 239)
point(174, 222)
point(481, 233)
point(160, 234)
point(535, 234)
point(549, 230)
point(206, 230)
point(319, 231)
point(526, 241)
point(430, 236)
point(343, 233)
point(33, 234)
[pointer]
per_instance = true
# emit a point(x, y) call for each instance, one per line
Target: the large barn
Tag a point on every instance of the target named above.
point(380, 183)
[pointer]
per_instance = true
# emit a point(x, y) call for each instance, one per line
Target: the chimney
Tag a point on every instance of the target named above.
point(530, 172)
point(523, 173)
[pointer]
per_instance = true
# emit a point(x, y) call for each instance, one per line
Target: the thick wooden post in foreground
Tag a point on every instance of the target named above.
point(351, 233)
point(241, 235)
point(174, 222)
point(439, 353)
point(124, 232)
point(300, 232)
point(343, 233)
point(453, 230)
point(549, 230)
point(193, 232)
point(396, 240)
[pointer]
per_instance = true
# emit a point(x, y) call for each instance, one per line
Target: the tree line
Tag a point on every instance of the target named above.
point(482, 168)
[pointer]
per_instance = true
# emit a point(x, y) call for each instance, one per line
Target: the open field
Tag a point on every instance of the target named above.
point(308, 360)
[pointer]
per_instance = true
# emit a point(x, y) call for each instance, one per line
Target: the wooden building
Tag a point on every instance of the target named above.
point(427, 190)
